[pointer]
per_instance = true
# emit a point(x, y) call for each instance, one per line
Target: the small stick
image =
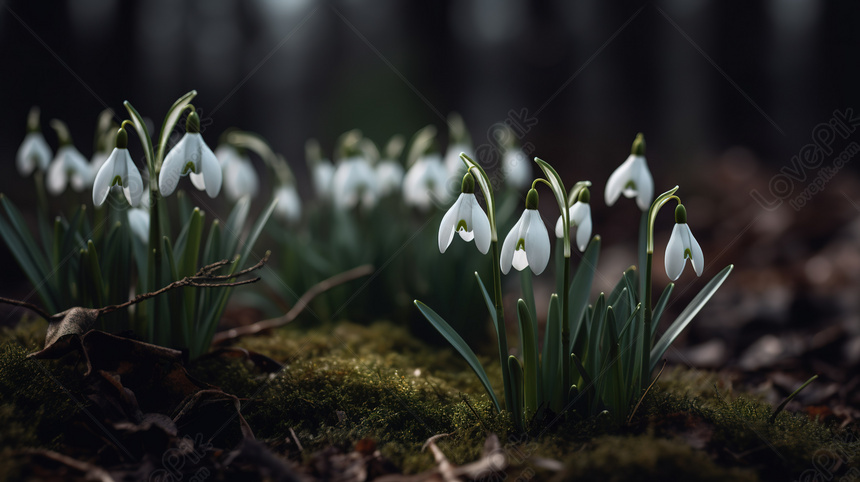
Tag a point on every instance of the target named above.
point(29, 306)
point(300, 305)
point(203, 279)
point(630, 418)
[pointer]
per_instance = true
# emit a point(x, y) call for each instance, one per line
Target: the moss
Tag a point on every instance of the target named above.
point(344, 383)
point(623, 458)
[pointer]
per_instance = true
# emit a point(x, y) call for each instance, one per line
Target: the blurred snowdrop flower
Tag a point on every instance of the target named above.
point(321, 169)
point(389, 171)
point(289, 207)
point(69, 167)
point(138, 221)
point(459, 141)
point(682, 246)
point(527, 244)
point(453, 163)
point(389, 177)
point(118, 171)
point(34, 151)
point(354, 182)
point(192, 156)
point(516, 168)
point(632, 178)
point(426, 182)
point(240, 178)
point(580, 218)
point(467, 219)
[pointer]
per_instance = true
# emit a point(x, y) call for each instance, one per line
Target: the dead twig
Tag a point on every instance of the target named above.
point(630, 418)
point(203, 279)
point(23, 304)
point(300, 305)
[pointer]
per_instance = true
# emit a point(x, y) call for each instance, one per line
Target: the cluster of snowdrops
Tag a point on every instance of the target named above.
point(596, 356)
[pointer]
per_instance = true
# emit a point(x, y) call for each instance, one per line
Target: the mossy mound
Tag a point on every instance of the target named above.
point(345, 385)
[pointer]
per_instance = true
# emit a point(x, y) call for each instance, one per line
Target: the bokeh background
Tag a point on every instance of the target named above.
point(728, 93)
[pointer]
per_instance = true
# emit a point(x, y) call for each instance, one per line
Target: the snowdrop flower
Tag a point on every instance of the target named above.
point(322, 175)
point(632, 178)
point(192, 156)
point(354, 181)
point(467, 219)
point(682, 246)
point(389, 177)
point(289, 207)
point(240, 178)
point(34, 151)
point(528, 242)
point(138, 221)
point(453, 163)
point(119, 171)
point(580, 218)
point(68, 167)
point(516, 168)
point(426, 182)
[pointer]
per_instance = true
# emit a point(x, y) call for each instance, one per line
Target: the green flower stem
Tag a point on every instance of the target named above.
point(565, 333)
point(647, 313)
point(500, 325)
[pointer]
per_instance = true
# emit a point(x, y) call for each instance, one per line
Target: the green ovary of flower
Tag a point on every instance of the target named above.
point(189, 166)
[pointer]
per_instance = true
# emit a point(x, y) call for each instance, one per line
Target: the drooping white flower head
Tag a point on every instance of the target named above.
point(354, 182)
point(289, 207)
point(34, 151)
point(192, 156)
point(68, 167)
point(467, 219)
point(389, 177)
point(580, 218)
point(322, 175)
point(516, 168)
point(118, 171)
point(426, 182)
point(98, 160)
point(632, 178)
point(528, 242)
point(240, 178)
point(681, 247)
point(138, 221)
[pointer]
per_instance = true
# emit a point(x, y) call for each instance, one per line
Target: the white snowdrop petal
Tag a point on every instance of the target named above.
point(105, 175)
point(674, 259)
point(481, 227)
point(537, 243)
point(449, 225)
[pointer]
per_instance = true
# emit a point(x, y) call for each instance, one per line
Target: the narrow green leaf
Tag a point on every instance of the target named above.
point(560, 197)
point(23, 232)
point(98, 288)
point(517, 407)
point(551, 359)
point(529, 296)
point(234, 226)
point(491, 307)
point(460, 345)
point(145, 139)
point(580, 288)
point(532, 380)
point(170, 121)
point(687, 315)
point(660, 307)
point(255, 232)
